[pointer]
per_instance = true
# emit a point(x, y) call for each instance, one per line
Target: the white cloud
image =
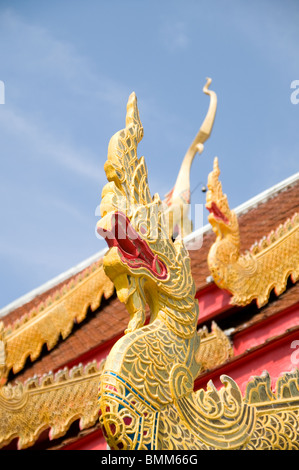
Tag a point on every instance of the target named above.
point(174, 36)
point(45, 61)
point(42, 144)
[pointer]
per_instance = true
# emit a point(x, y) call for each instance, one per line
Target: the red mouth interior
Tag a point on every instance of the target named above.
point(134, 251)
point(214, 209)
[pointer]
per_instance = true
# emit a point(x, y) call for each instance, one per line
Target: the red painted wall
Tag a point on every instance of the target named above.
point(93, 441)
point(276, 356)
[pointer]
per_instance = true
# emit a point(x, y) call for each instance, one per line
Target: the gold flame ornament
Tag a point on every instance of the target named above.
point(179, 198)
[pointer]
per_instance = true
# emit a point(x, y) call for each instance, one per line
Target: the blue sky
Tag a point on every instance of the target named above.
point(68, 68)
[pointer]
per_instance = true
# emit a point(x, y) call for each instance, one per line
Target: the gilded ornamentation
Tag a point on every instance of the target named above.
point(147, 399)
point(50, 402)
point(215, 348)
point(178, 199)
point(277, 425)
point(55, 317)
point(42, 402)
point(266, 266)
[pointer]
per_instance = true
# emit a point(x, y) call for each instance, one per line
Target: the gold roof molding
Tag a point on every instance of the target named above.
point(267, 265)
point(50, 402)
point(42, 402)
point(52, 318)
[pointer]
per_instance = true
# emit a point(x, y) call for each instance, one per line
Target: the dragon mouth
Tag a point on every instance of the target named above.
point(217, 213)
point(133, 250)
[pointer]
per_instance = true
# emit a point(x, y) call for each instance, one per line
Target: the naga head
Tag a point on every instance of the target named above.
point(223, 220)
point(143, 261)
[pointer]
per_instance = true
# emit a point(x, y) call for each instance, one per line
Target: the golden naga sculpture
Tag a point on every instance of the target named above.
point(266, 266)
point(178, 199)
point(146, 397)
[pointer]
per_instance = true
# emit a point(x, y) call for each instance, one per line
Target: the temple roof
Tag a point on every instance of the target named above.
point(257, 217)
point(76, 317)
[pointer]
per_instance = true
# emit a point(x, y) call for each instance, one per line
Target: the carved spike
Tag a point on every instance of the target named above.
point(259, 390)
point(287, 385)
